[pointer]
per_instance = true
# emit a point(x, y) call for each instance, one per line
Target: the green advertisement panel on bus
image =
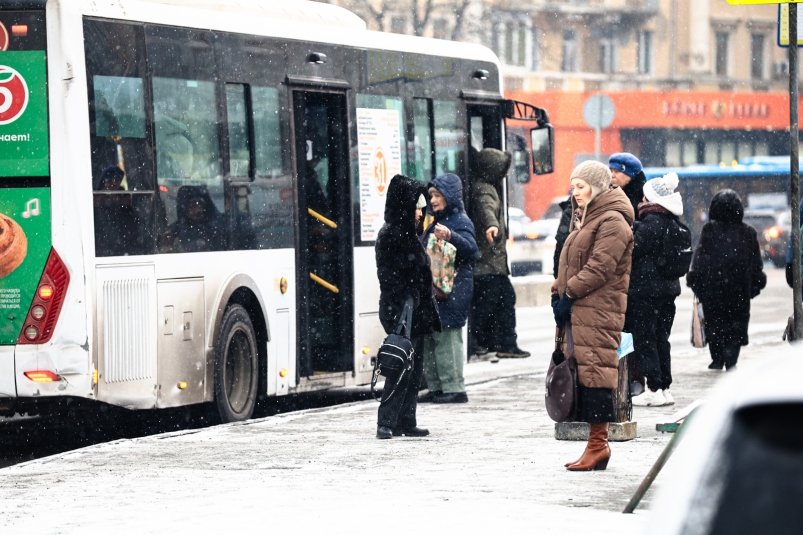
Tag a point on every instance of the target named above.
point(24, 248)
point(23, 114)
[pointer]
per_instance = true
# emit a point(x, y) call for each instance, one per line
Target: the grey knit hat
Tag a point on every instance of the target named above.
point(595, 174)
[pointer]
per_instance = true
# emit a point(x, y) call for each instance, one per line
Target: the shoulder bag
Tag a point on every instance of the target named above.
point(561, 379)
point(395, 355)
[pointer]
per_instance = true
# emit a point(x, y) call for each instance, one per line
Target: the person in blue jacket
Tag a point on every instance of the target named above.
point(443, 351)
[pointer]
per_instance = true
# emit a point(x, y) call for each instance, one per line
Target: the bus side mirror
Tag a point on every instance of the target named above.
point(542, 142)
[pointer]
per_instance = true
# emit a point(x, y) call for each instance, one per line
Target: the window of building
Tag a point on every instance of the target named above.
point(440, 29)
point(398, 24)
point(535, 56)
point(607, 56)
point(721, 57)
point(521, 44)
point(645, 52)
point(568, 61)
point(757, 56)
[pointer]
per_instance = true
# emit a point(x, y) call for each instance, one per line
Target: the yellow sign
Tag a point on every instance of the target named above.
point(783, 27)
point(751, 2)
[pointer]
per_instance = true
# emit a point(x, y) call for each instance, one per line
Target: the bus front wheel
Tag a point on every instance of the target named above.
point(236, 366)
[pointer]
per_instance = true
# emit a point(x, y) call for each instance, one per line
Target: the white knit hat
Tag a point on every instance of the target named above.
point(662, 191)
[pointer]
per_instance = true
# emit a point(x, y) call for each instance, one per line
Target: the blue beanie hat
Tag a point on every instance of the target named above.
point(626, 163)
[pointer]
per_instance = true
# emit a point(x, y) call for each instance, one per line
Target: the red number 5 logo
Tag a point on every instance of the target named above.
point(13, 95)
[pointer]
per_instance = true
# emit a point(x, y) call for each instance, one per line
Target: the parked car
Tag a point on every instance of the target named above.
point(531, 244)
point(738, 468)
point(773, 229)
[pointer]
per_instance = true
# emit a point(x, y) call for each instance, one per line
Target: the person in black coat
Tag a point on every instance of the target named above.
point(403, 270)
point(726, 272)
point(651, 296)
point(628, 173)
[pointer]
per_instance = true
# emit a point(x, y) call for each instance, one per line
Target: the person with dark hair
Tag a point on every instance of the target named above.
point(493, 306)
point(726, 273)
point(628, 173)
point(444, 353)
point(590, 296)
point(198, 225)
point(403, 270)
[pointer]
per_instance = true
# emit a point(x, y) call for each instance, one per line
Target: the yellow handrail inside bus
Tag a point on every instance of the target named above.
point(323, 219)
point(328, 285)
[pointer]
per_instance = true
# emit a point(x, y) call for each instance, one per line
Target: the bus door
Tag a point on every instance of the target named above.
point(324, 244)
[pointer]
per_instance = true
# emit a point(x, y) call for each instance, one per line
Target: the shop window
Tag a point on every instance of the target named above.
point(689, 152)
point(672, 154)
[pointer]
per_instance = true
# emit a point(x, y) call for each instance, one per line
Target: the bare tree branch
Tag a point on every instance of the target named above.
point(421, 16)
point(459, 12)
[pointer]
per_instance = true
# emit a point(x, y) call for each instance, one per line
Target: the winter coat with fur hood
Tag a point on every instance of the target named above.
point(486, 211)
point(402, 263)
point(595, 271)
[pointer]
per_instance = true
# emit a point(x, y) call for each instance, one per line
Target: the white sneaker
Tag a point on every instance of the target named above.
point(668, 397)
point(650, 399)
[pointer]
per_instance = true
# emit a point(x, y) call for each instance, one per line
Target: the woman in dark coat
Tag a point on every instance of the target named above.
point(443, 352)
point(403, 271)
point(651, 296)
point(726, 272)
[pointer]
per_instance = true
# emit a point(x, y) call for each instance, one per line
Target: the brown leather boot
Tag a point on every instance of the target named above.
point(597, 453)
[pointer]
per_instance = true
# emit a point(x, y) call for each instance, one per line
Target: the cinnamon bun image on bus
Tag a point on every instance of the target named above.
point(13, 245)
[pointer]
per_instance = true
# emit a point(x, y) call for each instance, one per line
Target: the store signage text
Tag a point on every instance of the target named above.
point(718, 109)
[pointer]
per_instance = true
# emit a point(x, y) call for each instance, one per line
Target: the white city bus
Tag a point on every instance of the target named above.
point(190, 192)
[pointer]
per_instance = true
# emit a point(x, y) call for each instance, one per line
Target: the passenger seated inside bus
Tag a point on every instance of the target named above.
point(115, 223)
point(199, 225)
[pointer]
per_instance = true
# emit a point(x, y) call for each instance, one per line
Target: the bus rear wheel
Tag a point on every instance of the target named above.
point(236, 366)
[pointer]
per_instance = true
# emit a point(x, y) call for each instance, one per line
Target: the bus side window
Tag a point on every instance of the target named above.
point(122, 169)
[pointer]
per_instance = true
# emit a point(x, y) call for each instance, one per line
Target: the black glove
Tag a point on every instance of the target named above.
point(562, 310)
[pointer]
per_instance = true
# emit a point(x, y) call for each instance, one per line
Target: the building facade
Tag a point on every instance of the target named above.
point(690, 81)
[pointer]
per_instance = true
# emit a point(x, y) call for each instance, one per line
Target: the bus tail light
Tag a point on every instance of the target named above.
point(42, 376)
point(46, 304)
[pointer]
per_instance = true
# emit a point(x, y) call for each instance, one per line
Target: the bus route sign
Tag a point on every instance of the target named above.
point(24, 140)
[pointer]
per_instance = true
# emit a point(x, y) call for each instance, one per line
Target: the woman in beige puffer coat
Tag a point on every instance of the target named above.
point(590, 294)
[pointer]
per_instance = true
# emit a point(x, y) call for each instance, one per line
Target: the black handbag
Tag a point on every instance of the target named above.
point(395, 355)
point(561, 379)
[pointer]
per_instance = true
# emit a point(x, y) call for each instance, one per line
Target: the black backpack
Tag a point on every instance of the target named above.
point(675, 258)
